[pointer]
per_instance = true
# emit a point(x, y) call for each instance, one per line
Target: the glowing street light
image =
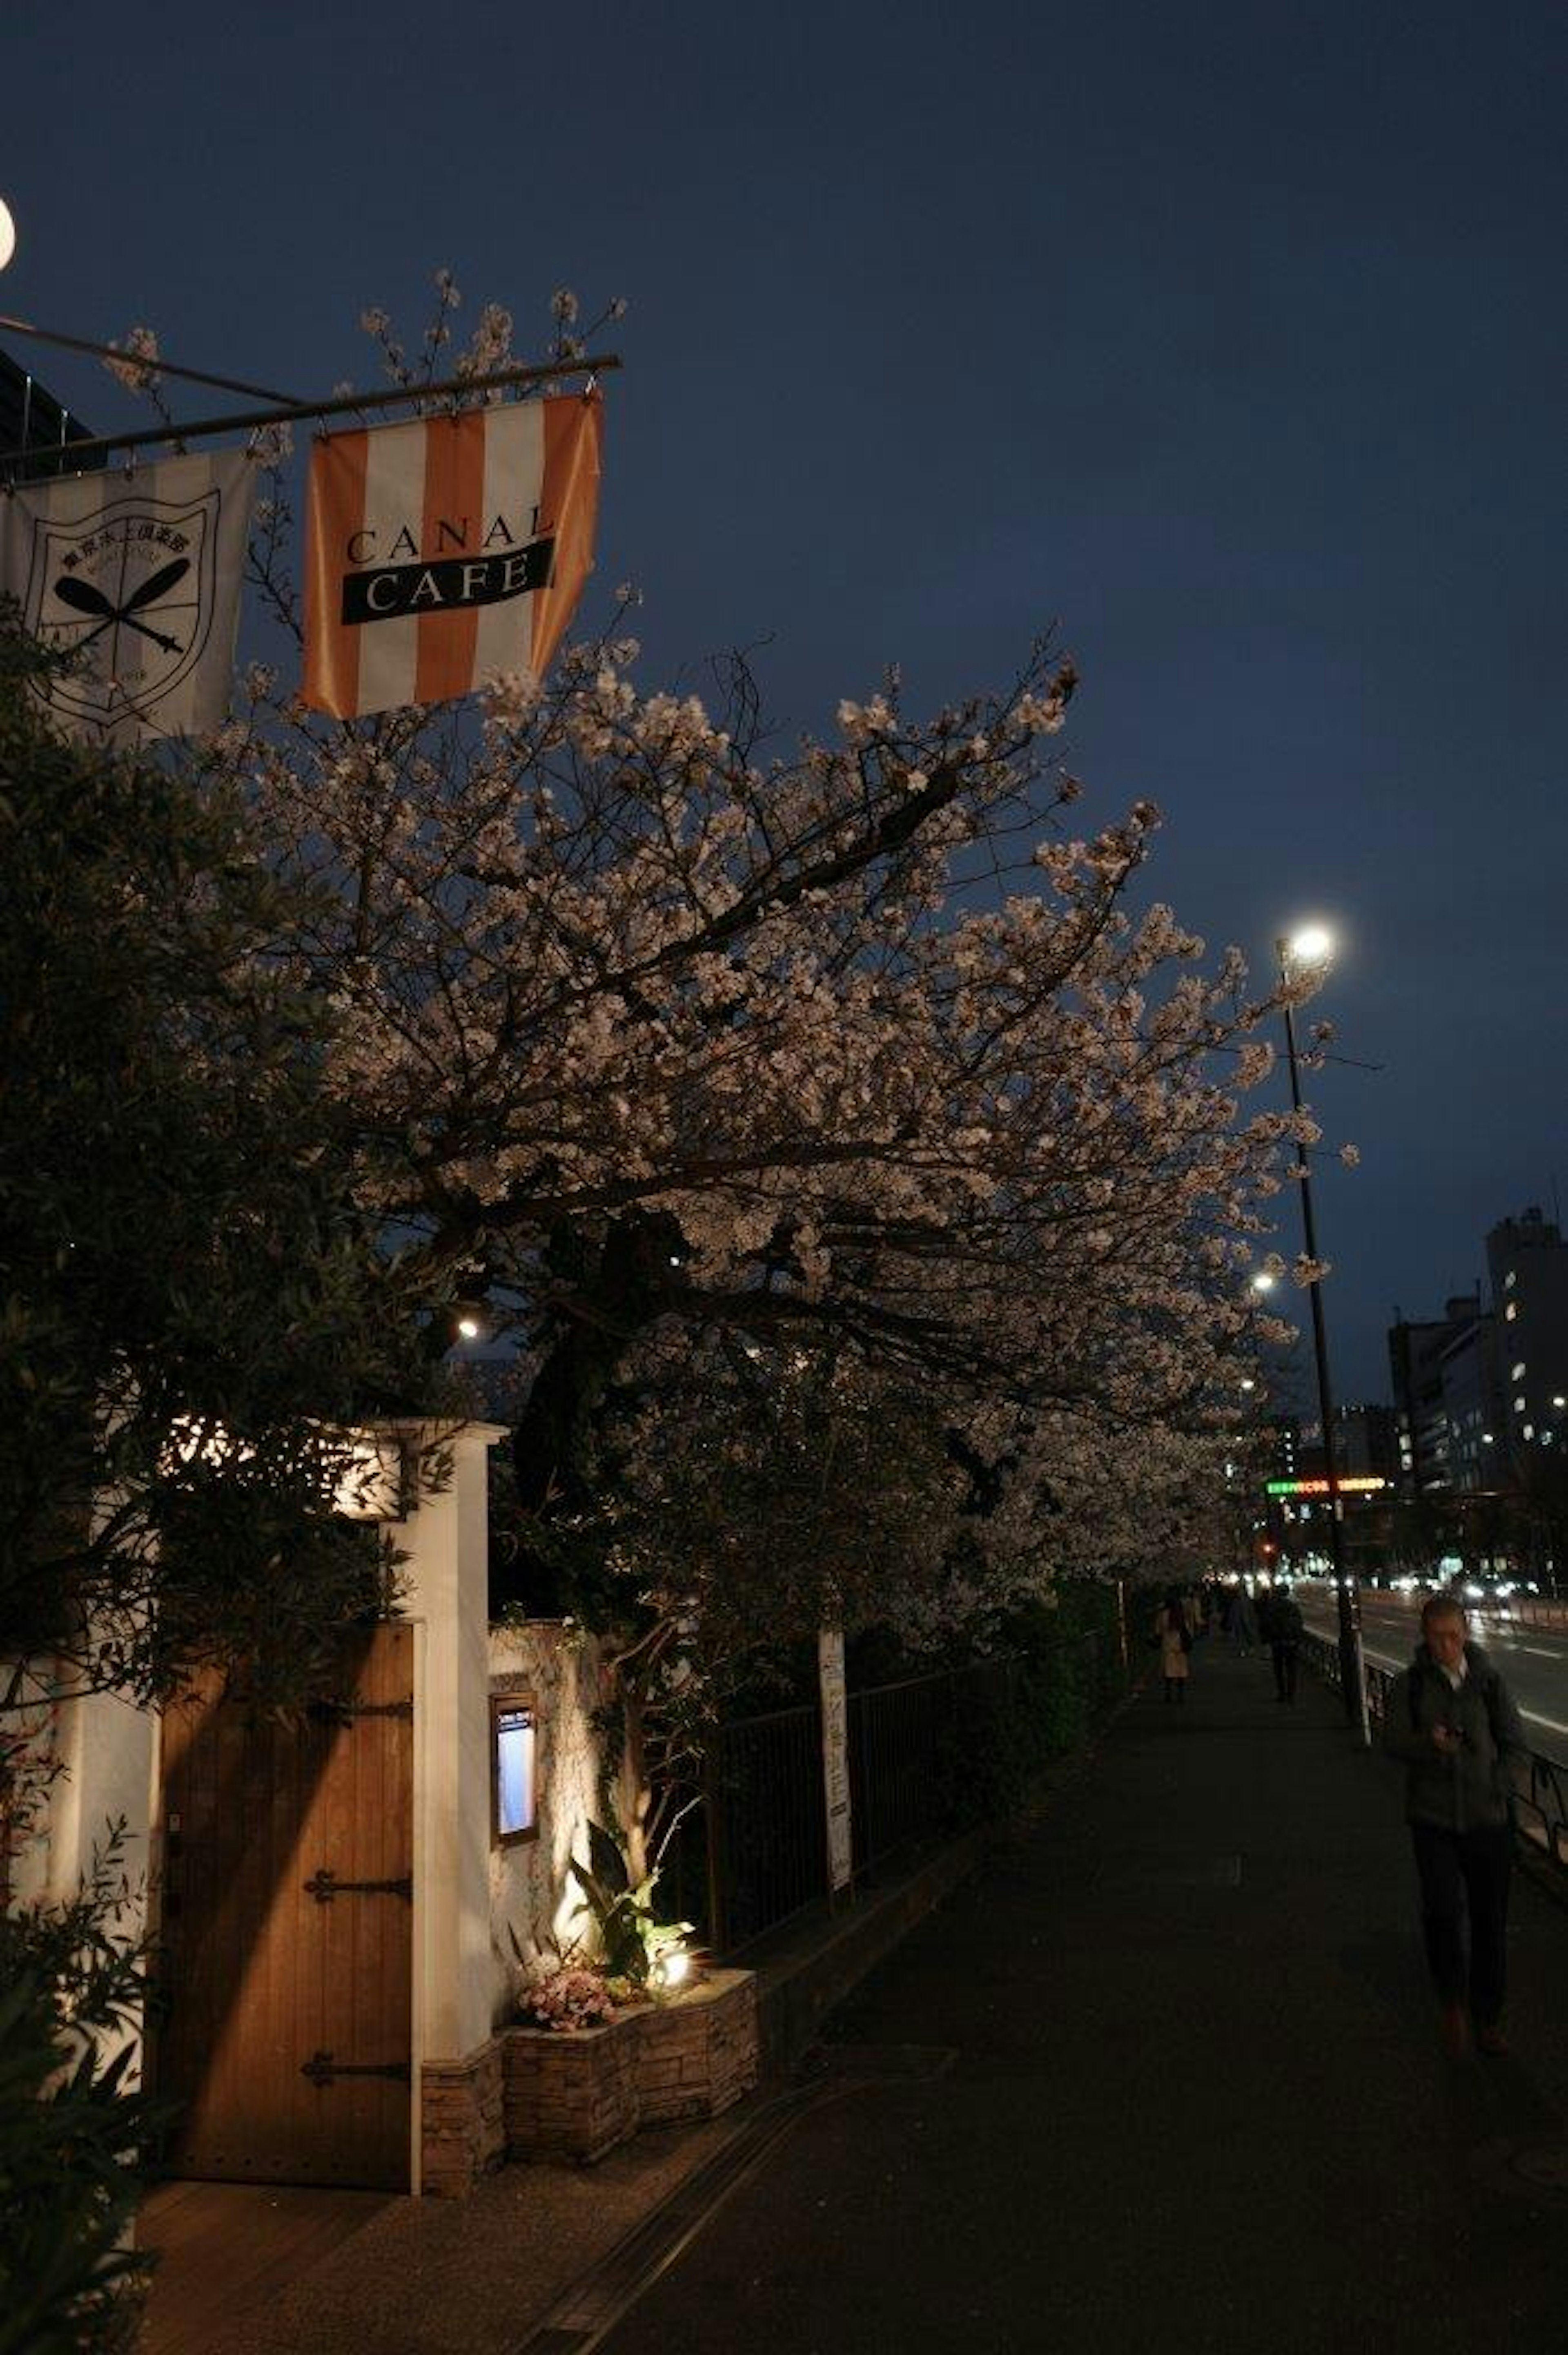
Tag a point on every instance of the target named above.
point(1310, 952)
point(1306, 951)
point(7, 233)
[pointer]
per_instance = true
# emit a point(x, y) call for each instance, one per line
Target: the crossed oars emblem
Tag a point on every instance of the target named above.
point(86, 599)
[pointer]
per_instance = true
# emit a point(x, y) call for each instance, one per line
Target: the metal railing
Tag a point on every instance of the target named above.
point(924, 1754)
point(906, 1742)
point(1540, 1782)
point(765, 1823)
point(1535, 1612)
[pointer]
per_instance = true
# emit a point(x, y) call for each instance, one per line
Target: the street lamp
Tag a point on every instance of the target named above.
point(1311, 950)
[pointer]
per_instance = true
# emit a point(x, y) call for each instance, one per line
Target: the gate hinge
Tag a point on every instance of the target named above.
point(321, 2069)
point(342, 1713)
point(325, 1885)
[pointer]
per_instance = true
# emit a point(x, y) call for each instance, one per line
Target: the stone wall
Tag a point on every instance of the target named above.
point(700, 2052)
point(462, 2121)
point(568, 2095)
point(576, 2093)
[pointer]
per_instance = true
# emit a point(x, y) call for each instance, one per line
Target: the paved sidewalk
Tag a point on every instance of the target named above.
point(1170, 2081)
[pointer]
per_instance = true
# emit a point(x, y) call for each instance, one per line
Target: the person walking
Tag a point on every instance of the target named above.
point(1241, 1623)
point(1452, 1723)
point(1286, 1630)
point(1174, 1635)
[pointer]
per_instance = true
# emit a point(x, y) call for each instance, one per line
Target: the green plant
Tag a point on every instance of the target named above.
point(636, 1947)
point(73, 2134)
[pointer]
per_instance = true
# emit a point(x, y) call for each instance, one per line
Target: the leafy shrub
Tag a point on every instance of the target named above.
point(73, 2137)
point(635, 1945)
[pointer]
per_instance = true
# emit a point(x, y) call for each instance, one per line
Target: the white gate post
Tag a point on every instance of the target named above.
point(447, 1597)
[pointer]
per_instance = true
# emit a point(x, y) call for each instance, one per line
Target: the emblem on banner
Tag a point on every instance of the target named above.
point(133, 586)
point(138, 577)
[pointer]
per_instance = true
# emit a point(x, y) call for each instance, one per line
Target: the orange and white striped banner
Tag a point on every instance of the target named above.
point(441, 553)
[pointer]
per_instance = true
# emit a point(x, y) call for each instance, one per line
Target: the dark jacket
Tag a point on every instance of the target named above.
point(1470, 1788)
point(1286, 1624)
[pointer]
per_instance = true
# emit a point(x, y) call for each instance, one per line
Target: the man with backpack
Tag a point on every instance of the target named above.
point(1453, 1723)
point(1285, 1630)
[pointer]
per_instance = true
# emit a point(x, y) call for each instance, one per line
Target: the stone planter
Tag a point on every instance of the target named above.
point(575, 2093)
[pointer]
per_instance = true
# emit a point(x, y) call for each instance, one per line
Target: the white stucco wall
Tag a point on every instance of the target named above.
point(530, 1893)
point(446, 1597)
point(106, 1753)
point(468, 1890)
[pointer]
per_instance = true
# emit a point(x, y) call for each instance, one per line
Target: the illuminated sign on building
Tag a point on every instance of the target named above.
point(1354, 1484)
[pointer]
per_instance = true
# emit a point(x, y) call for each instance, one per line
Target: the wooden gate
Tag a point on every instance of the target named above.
point(287, 1939)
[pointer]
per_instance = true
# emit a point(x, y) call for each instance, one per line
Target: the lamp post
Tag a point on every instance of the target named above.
point(1309, 950)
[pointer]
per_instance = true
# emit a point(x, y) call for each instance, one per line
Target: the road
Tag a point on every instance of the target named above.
point(1533, 1659)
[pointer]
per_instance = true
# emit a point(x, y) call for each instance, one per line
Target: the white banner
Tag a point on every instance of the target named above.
point(137, 574)
point(835, 1758)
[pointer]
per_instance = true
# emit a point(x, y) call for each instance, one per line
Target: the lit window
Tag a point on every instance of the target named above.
point(1519, 1405)
point(1511, 1311)
point(1518, 1373)
point(1530, 1431)
point(1510, 1279)
point(515, 1782)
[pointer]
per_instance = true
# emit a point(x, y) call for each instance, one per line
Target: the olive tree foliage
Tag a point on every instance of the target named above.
point(74, 2125)
point(195, 1310)
point(194, 1307)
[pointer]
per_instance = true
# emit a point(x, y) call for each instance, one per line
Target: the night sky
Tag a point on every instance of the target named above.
point(1229, 338)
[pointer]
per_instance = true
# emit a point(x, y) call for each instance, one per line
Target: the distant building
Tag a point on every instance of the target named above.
point(1295, 1524)
point(30, 417)
point(1479, 1392)
point(1283, 1452)
point(1365, 1443)
point(1476, 1455)
point(1416, 1351)
point(1528, 1264)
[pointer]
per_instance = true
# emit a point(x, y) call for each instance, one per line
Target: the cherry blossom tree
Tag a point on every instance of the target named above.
point(651, 1023)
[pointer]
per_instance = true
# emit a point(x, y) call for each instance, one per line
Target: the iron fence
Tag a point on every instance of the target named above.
point(765, 1823)
point(927, 1754)
point(907, 1741)
point(1540, 1783)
